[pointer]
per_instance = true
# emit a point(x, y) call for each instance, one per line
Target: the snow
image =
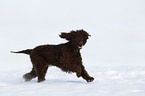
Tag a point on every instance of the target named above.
point(109, 81)
point(114, 55)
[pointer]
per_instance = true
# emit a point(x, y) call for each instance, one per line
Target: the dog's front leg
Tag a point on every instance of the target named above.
point(85, 75)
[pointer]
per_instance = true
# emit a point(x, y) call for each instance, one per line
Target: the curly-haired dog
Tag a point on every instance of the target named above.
point(65, 56)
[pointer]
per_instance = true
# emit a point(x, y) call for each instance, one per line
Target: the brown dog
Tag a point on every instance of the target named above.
point(65, 56)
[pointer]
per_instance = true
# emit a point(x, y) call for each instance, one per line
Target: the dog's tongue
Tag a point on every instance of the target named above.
point(80, 47)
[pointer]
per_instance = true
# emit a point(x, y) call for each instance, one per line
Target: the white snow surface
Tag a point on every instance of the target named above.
point(109, 81)
point(114, 55)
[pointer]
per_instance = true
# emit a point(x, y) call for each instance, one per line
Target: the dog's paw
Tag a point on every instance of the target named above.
point(40, 80)
point(27, 77)
point(90, 79)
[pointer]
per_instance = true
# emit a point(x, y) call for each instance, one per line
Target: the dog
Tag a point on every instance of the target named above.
point(65, 56)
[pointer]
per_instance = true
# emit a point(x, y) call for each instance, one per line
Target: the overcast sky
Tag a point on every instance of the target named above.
point(117, 28)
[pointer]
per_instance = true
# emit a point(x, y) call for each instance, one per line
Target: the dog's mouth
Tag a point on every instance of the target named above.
point(80, 47)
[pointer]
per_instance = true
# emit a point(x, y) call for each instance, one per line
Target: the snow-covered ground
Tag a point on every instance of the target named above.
point(114, 54)
point(109, 81)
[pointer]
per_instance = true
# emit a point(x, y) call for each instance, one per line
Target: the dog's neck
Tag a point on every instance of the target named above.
point(74, 48)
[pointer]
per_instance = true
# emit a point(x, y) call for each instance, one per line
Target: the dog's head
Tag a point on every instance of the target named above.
point(78, 38)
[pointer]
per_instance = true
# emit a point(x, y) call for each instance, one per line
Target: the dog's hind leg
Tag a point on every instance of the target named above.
point(41, 73)
point(40, 66)
point(30, 76)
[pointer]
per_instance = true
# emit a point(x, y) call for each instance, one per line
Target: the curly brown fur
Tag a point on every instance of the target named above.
point(65, 56)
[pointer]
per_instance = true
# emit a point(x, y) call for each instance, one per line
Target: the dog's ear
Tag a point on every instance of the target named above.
point(65, 35)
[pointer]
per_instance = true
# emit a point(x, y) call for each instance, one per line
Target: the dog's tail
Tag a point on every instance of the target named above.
point(28, 51)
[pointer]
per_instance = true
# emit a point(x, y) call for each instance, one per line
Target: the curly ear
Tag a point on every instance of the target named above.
point(65, 35)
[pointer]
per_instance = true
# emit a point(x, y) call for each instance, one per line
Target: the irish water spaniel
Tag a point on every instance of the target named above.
point(66, 56)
